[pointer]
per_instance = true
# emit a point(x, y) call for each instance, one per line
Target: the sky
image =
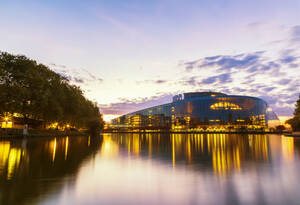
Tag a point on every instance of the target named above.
point(129, 55)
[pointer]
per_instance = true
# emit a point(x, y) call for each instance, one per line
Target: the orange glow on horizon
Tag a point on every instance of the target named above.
point(108, 118)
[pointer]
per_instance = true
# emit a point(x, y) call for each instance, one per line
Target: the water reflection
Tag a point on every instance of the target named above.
point(31, 168)
point(9, 159)
point(225, 153)
point(151, 169)
point(287, 144)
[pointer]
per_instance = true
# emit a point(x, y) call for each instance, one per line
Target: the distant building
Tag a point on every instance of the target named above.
point(17, 121)
point(201, 111)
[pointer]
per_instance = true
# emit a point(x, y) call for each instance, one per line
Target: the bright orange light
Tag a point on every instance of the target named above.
point(108, 118)
point(6, 124)
point(54, 150)
point(225, 105)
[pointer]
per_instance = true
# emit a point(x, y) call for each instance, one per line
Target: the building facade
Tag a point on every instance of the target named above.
point(201, 111)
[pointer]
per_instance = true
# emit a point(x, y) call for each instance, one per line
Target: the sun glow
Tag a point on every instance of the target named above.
point(108, 118)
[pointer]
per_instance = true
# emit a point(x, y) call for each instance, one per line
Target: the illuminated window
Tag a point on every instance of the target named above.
point(225, 106)
point(6, 125)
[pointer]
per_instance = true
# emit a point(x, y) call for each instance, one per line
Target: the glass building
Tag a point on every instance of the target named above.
point(201, 111)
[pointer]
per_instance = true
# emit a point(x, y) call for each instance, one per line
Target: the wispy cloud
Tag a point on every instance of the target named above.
point(157, 82)
point(295, 34)
point(130, 105)
point(223, 78)
point(76, 76)
point(225, 62)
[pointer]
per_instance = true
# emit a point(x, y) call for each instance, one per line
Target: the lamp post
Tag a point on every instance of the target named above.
point(6, 121)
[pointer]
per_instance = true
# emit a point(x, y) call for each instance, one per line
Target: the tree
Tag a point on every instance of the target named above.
point(38, 93)
point(295, 121)
point(280, 128)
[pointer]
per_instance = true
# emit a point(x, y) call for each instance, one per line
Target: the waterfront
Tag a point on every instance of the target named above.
point(151, 169)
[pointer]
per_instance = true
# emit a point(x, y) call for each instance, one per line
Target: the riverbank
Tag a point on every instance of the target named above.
point(18, 133)
point(293, 134)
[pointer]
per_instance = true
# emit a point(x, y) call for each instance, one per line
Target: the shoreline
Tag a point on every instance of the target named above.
point(76, 134)
point(293, 134)
point(40, 134)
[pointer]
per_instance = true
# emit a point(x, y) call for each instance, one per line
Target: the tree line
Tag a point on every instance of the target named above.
point(295, 121)
point(36, 92)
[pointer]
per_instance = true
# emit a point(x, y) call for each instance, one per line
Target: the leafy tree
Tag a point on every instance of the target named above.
point(295, 121)
point(280, 128)
point(38, 93)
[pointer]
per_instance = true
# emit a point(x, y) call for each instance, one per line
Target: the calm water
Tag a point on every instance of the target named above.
point(151, 169)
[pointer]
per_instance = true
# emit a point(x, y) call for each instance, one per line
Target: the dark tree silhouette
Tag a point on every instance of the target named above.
point(38, 93)
point(295, 121)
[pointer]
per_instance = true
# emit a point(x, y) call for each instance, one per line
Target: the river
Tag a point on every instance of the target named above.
point(151, 169)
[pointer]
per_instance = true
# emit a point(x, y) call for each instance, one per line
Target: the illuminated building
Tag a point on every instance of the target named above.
point(201, 111)
point(16, 121)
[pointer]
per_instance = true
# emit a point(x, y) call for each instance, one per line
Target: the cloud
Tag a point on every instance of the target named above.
point(223, 78)
point(212, 58)
point(230, 62)
point(294, 65)
point(78, 80)
point(192, 81)
point(76, 75)
point(65, 75)
point(268, 89)
point(288, 59)
point(255, 25)
point(295, 34)
point(93, 77)
point(284, 81)
point(131, 105)
point(210, 80)
point(160, 81)
point(254, 74)
point(57, 65)
point(190, 65)
point(225, 62)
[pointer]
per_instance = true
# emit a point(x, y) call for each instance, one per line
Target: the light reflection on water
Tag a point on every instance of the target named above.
point(151, 169)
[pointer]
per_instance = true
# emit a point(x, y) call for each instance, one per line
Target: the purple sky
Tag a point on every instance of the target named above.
point(128, 55)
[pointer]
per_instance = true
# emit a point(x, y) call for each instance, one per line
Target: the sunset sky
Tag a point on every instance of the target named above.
point(128, 55)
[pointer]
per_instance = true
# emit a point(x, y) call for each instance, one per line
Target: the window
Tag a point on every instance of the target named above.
point(225, 106)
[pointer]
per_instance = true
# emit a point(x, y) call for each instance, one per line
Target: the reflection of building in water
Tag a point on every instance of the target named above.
point(287, 147)
point(230, 152)
point(109, 147)
point(223, 153)
point(25, 164)
point(10, 158)
point(13, 154)
point(201, 111)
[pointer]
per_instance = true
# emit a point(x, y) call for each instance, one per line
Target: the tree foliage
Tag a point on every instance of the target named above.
point(295, 121)
point(36, 92)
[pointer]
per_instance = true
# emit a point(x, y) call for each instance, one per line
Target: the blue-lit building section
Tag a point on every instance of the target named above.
point(201, 111)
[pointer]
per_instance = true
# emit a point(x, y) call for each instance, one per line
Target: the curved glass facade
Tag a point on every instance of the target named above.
point(204, 111)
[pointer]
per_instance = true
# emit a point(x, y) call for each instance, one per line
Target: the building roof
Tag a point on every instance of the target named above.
point(190, 95)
